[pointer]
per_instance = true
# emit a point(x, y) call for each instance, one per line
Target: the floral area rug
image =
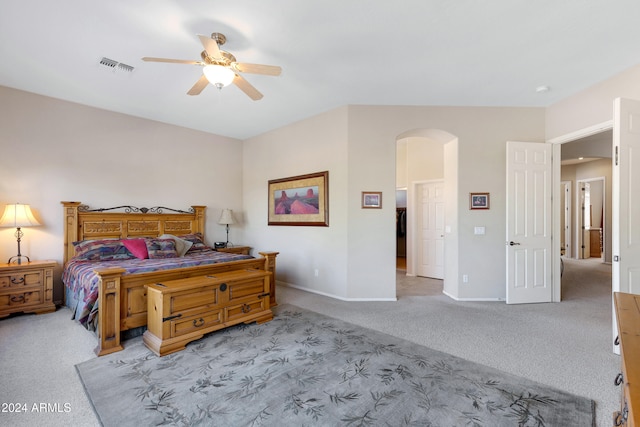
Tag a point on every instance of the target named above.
point(307, 369)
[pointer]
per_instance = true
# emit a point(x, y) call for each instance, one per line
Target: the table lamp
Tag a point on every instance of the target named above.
point(18, 216)
point(226, 218)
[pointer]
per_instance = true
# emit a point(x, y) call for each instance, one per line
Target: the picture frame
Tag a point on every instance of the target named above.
point(372, 200)
point(478, 201)
point(299, 200)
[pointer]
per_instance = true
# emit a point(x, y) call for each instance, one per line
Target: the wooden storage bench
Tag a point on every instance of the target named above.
point(183, 310)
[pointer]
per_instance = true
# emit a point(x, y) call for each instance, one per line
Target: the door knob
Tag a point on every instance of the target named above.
point(513, 244)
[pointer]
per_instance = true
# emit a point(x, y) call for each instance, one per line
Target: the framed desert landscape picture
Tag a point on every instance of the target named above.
point(300, 200)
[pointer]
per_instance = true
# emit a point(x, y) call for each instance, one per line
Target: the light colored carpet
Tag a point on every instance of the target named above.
point(565, 345)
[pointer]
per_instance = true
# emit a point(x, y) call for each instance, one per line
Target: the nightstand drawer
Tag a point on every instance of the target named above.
point(21, 280)
point(18, 299)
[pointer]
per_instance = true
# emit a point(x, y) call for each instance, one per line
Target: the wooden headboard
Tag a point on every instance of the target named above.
point(84, 223)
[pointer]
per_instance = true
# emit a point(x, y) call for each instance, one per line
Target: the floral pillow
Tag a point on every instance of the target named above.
point(101, 250)
point(161, 248)
point(198, 243)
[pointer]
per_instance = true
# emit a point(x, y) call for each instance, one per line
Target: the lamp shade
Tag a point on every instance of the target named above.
point(18, 215)
point(226, 217)
point(218, 75)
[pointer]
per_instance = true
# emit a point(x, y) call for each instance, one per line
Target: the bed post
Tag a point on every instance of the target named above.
point(270, 265)
point(109, 311)
point(198, 226)
point(70, 229)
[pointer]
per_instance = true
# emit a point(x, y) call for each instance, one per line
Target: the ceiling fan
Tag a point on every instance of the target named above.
point(221, 68)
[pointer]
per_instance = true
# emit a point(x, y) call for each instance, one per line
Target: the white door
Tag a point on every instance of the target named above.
point(529, 213)
point(565, 219)
point(431, 230)
point(626, 197)
point(585, 220)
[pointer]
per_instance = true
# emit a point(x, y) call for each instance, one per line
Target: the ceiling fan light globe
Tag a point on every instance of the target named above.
point(218, 75)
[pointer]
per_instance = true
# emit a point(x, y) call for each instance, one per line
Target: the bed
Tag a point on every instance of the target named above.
point(108, 294)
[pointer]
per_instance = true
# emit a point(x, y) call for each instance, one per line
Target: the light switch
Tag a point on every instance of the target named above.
point(478, 230)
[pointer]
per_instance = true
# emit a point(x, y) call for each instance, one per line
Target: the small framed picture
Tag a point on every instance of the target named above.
point(478, 201)
point(371, 199)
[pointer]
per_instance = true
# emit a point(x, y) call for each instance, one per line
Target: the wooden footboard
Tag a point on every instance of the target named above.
point(123, 300)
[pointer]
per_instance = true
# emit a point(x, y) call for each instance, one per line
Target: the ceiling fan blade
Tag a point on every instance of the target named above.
point(247, 88)
point(269, 70)
point(199, 86)
point(210, 45)
point(171, 61)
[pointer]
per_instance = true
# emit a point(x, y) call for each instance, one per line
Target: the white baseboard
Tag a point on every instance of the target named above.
point(473, 299)
point(314, 291)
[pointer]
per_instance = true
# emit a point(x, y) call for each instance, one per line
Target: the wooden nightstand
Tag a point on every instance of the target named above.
point(244, 250)
point(26, 287)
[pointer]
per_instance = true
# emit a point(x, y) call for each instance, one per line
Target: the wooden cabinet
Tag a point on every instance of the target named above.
point(627, 308)
point(183, 310)
point(26, 287)
point(244, 250)
point(595, 242)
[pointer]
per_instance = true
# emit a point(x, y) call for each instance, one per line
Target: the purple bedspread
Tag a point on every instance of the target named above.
point(80, 279)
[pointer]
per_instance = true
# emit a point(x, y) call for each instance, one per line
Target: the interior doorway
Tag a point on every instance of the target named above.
point(419, 159)
point(586, 168)
point(586, 164)
point(590, 227)
point(401, 229)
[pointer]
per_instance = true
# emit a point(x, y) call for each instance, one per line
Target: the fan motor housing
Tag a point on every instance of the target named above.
point(226, 60)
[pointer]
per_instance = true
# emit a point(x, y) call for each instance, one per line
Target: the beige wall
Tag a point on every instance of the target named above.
point(418, 159)
point(357, 145)
point(592, 106)
point(53, 150)
point(313, 145)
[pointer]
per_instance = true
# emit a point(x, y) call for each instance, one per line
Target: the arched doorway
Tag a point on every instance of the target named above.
point(424, 158)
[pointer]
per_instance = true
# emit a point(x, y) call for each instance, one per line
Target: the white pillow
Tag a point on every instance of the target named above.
point(182, 246)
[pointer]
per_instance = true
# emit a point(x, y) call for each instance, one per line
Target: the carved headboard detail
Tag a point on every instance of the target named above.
point(83, 223)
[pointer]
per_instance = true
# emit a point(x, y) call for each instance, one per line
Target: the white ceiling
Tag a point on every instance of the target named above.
point(333, 53)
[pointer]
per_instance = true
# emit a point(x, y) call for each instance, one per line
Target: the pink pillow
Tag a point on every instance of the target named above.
point(138, 247)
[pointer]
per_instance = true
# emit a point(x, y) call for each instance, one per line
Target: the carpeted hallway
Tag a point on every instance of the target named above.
point(565, 345)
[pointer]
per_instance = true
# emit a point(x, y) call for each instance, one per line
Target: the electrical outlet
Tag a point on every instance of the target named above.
point(465, 278)
point(316, 272)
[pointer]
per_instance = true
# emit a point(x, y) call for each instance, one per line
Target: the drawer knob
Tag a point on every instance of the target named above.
point(17, 280)
point(619, 379)
point(246, 308)
point(223, 287)
point(17, 298)
point(198, 322)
